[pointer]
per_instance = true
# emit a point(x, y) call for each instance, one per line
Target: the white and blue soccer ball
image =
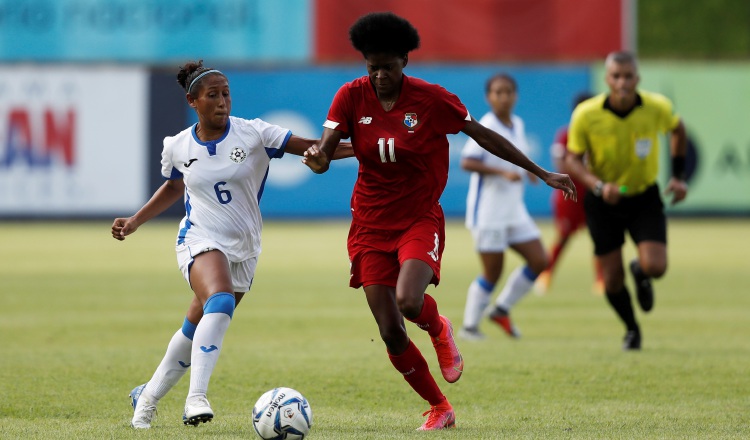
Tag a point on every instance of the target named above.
point(282, 414)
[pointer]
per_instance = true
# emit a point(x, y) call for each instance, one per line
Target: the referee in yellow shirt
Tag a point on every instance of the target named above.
point(614, 145)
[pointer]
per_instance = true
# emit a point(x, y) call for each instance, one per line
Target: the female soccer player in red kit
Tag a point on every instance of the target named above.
point(398, 127)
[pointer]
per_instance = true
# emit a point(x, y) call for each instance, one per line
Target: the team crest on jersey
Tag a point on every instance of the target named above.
point(238, 155)
point(410, 120)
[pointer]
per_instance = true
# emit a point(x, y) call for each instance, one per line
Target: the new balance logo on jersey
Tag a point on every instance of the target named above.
point(190, 162)
point(209, 349)
point(365, 120)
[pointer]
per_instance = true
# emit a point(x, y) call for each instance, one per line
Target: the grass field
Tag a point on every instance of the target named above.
point(84, 318)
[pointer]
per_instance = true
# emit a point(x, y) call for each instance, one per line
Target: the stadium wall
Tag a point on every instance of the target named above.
point(160, 32)
point(155, 32)
point(299, 100)
point(487, 30)
point(85, 141)
point(86, 96)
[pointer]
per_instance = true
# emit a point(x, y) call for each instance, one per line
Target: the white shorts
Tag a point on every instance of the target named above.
point(242, 272)
point(497, 239)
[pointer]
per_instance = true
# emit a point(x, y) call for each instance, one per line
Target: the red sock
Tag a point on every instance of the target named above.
point(429, 318)
point(412, 365)
point(556, 249)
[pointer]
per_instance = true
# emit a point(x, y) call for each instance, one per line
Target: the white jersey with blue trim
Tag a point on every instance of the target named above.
point(224, 182)
point(494, 201)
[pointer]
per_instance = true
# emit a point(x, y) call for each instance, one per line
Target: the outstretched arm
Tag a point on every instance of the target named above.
point(317, 156)
point(504, 149)
point(163, 198)
point(477, 166)
point(298, 145)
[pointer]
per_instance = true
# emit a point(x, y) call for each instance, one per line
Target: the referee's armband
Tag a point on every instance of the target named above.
point(678, 167)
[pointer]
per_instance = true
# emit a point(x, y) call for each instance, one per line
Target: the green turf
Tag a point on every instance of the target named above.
point(84, 318)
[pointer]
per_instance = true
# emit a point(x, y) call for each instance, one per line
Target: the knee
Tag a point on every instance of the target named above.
point(393, 337)
point(654, 269)
point(410, 305)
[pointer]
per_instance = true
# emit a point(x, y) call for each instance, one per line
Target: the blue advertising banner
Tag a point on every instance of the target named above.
point(154, 31)
point(299, 100)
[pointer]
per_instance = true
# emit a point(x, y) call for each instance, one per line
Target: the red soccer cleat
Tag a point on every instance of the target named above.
point(441, 416)
point(449, 358)
point(502, 318)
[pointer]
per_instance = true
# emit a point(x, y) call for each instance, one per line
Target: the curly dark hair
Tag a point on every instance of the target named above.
point(189, 72)
point(383, 32)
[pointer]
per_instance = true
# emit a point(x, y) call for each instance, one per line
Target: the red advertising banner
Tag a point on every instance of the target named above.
point(485, 30)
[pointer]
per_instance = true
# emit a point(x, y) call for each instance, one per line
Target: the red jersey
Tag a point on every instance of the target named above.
point(559, 151)
point(402, 153)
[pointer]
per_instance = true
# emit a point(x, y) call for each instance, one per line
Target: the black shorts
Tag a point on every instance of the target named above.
point(641, 215)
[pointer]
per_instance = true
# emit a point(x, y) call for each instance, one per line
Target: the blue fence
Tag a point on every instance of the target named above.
point(299, 99)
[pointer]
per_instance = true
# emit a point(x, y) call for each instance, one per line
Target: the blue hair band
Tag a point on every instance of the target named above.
point(195, 80)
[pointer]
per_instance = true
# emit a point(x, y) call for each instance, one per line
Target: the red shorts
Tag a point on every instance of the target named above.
point(376, 255)
point(569, 215)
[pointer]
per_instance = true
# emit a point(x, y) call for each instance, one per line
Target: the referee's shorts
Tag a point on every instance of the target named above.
point(642, 215)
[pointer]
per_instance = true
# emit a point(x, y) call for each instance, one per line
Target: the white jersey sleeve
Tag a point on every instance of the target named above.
point(168, 170)
point(272, 137)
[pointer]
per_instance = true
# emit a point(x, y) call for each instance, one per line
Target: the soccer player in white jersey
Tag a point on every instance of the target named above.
point(219, 167)
point(497, 217)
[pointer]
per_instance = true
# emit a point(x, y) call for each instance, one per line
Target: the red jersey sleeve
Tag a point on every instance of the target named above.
point(453, 115)
point(339, 114)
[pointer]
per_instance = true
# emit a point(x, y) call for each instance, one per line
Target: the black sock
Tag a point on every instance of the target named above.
point(620, 301)
point(638, 271)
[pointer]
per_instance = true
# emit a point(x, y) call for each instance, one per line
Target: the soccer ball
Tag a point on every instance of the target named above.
point(282, 414)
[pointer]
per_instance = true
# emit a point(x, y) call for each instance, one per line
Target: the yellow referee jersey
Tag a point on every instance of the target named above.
point(622, 150)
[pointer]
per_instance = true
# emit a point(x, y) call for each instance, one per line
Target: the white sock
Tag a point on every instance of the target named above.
point(518, 285)
point(477, 299)
point(206, 348)
point(173, 366)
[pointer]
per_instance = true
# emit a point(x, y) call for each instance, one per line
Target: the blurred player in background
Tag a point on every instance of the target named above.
point(398, 126)
point(618, 134)
point(568, 215)
point(497, 216)
point(218, 166)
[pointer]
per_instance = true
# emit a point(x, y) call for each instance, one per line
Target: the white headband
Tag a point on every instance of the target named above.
point(201, 76)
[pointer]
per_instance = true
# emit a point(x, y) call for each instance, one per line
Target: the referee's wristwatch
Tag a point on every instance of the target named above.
point(597, 191)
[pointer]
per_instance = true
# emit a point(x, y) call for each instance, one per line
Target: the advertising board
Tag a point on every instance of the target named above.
point(298, 99)
point(72, 140)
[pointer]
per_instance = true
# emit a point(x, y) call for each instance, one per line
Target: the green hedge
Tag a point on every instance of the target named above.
point(703, 29)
